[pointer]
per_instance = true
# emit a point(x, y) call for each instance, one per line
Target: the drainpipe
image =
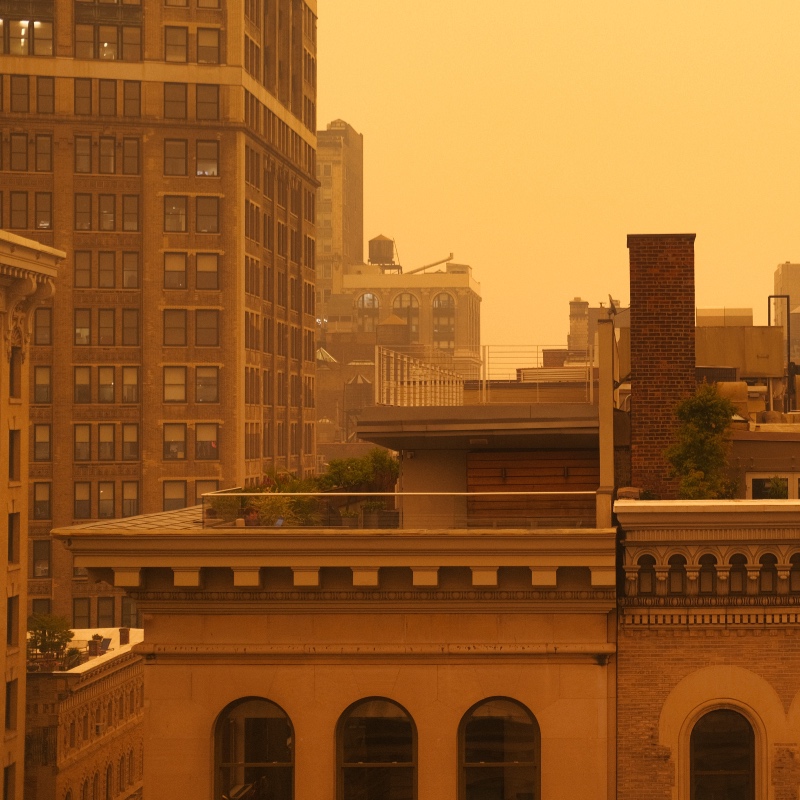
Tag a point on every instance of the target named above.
point(605, 407)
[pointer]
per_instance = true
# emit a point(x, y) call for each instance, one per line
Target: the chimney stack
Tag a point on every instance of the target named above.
point(124, 636)
point(662, 351)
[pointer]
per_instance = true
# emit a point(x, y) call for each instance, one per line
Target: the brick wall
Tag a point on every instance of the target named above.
point(662, 350)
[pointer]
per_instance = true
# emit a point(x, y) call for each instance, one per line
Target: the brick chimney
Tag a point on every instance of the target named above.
point(124, 636)
point(662, 350)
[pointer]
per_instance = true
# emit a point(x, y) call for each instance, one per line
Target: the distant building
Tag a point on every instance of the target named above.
point(787, 282)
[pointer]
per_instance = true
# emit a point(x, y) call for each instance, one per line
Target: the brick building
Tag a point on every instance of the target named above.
point(169, 147)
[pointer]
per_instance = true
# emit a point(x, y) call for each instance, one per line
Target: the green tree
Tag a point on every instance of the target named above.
point(699, 455)
point(49, 635)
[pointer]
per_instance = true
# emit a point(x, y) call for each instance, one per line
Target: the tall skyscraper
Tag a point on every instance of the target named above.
point(168, 146)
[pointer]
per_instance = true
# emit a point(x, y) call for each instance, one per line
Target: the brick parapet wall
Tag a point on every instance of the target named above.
point(662, 350)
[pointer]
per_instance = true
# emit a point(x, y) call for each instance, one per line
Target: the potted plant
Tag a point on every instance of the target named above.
point(370, 511)
point(349, 517)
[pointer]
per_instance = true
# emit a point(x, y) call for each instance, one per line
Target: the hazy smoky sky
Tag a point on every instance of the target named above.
point(530, 137)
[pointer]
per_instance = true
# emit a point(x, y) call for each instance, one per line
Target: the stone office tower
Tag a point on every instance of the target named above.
point(168, 146)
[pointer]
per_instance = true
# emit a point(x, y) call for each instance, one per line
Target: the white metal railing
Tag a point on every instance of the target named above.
point(403, 380)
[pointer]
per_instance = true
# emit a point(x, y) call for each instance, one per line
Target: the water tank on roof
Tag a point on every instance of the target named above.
point(381, 250)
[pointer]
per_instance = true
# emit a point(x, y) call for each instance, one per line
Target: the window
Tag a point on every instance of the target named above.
point(83, 500)
point(130, 442)
point(108, 152)
point(174, 495)
point(367, 309)
point(10, 781)
point(207, 46)
point(41, 501)
point(176, 44)
point(12, 691)
point(15, 373)
point(105, 385)
point(130, 212)
point(206, 388)
point(83, 326)
point(130, 384)
point(207, 215)
point(130, 157)
point(676, 583)
point(41, 443)
point(108, 98)
point(174, 214)
point(20, 94)
point(108, 44)
point(175, 100)
point(207, 328)
point(40, 605)
point(737, 577)
point(43, 326)
point(45, 95)
point(41, 558)
point(499, 752)
point(82, 442)
point(80, 619)
point(207, 270)
point(207, 159)
point(768, 574)
point(106, 208)
point(13, 538)
point(707, 575)
point(255, 738)
point(722, 756)
point(174, 441)
point(174, 384)
point(131, 43)
point(105, 327)
point(82, 387)
point(83, 269)
point(19, 151)
point(130, 270)
point(174, 327)
point(174, 270)
point(43, 211)
point(83, 154)
point(83, 96)
point(14, 454)
point(202, 487)
point(130, 508)
point(206, 446)
point(376, 751)
point(12, 620)
point(175, 156)
point(105, 510)
point(44, 153)
point(106, 270)
point(130, 327)
point(84, 41)
point(131, 98)
point(42, 385)
point(207, 101)
point(106, 444)
point(83, 212)
point(444, 322)
point(19, 210)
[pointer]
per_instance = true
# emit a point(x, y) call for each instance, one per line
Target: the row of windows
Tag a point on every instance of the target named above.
point(207, 214)
point(105, 618)
point(105, 272)
point(205, 45)
point(109, 216)
point(91, 442)
point(108, 42)
point(100, 155)
point(24, 213)
point(206, 441)
point(26, 37)
point(206, 329)
point(94, 790)
point(24, 153)
point(106, 333)
point(176, 158)
point(105, 380)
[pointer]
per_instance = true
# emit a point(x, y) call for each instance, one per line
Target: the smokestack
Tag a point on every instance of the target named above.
point(662, 351)
point(124, 636)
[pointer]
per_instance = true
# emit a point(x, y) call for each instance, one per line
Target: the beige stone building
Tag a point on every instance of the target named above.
point(28, 272)
point(169, 147)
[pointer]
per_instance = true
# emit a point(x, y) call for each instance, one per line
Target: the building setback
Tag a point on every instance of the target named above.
point(170, 149)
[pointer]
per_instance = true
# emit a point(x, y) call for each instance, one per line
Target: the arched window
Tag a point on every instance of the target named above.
point(647, 575)
point(254, 746)
point(677, 574)
point(130, 767)
point(109, 782)
point(68, 795)
point(444, 322)
point(738, 574)
point(722, 757)
point(85, 790)
point(499, 751)
point(377, 752)
point(96, 786)
point(406, 306)
point(367, 310)
point(707, 576)
point(121, 784)
point(794, 575)
point(768, 576)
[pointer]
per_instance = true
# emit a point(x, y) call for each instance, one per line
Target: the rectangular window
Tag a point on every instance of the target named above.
point(12, 692)
point(80, 613)
point(105, 509)
point(130, 442)
point(19, 210)
point(105, 612)
point(130, 156)
point(41, 501)
point(14, 454)
point(19, 152)
point(42, 38)
point(106, 442)
point(131, 98)
point(107, 43)
point(107, 210)
point(174, 495)
point(82, 442)
point(207, 101)
point(84, 41)
point(207, 159)
point(83, 326)
point(105, 384)
point(206, 388)
point(174, 441)
point(19, 36)
point(10, 782)
point(174, 270)
point(131, 43)
point(82, 386)
point(106, 269)
point(174, 384)
point(41, 558)
point(130, 270)
point(174, 214)
point(40, 605)
point(207, 328)
point(83, 154)
point(206, 444)
point(20, 94)
point(41, 443)
point(207, 215)
point(176, 44)
point(207, 270)
point(208, 46)
point(83, 96)
point(203, 487)
point(174, 327)
point(45, 95)
point(106, 327)
point(43, 211)
point(108, 155)
point(130, 508)
point(83, 212)
point(13, 538)
point(175, 100)
point(44, 153)
point(130, 327)
point(107, 98)
point(175, 156)
point(83, 500)
point(12, 620)
point(42, 386)
point(130, 384)
point(130, 212)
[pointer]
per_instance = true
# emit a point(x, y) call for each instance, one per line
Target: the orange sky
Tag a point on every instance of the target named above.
point(530, 137)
